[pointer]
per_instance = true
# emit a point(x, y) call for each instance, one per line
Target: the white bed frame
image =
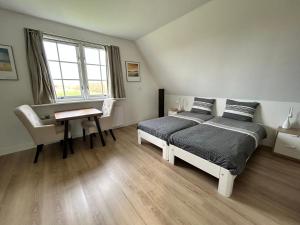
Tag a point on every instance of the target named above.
point(156, 141)
point(226, 179)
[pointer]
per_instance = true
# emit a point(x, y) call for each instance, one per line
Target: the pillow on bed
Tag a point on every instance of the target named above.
point(243, 111)
point(202, 105)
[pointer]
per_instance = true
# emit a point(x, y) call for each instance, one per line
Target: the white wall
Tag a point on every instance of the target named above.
point(270, 114)
point(13, 137)
point(246, 49)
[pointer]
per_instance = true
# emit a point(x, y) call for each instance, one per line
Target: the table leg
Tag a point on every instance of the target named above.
point(99, 130)
point(65, 152)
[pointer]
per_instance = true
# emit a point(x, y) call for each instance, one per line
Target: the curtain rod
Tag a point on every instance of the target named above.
point(72, 39)
point(64, 37)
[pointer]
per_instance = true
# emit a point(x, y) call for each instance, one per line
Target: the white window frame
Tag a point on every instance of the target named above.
point(83, 78)
point(84, 70)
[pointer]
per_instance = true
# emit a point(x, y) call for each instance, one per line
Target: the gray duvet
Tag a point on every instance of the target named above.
point(225, 142)
point(165, 126)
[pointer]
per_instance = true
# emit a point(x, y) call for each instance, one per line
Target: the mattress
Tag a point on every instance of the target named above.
point(165, 126)
point(225, 142)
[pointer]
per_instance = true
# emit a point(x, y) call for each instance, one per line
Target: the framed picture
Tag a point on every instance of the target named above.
point(133, 71)
point(7, 63)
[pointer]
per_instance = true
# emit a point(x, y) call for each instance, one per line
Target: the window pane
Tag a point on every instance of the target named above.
point(103, 72)
point(103, 56)
point(65, 69)
point(91, 55)
point(51, 51)
point(54, 70)
point(69, 70)
point(93, 72)
point(59, 90)
point(95, 88)
point(67, 53)
point(104, 87)
point(72, 87)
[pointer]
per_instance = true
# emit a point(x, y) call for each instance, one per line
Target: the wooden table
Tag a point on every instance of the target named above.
point(65, 116)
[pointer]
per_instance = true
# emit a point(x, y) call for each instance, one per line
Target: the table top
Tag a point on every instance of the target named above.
point(293, 131)
point(175, 110)
point(77, 114)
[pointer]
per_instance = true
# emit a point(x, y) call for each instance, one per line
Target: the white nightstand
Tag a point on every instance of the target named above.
point(288, 142)
point(172, 112)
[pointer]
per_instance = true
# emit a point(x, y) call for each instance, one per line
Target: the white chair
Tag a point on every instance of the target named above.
point(42, 133)
point(106, 121)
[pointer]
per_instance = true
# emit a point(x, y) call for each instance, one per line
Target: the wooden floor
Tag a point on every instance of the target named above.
point(125, 183)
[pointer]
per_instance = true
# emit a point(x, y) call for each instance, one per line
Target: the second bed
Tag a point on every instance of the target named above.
point(220, 147)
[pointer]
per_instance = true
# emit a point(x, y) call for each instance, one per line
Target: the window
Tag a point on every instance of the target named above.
point(95, 64)
point(77, 70)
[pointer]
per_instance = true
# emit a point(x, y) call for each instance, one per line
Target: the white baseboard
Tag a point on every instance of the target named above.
point(126, 124)
point(30, 145)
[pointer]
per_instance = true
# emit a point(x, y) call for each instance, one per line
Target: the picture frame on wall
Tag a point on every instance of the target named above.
point(133, 71)
point(8, 69)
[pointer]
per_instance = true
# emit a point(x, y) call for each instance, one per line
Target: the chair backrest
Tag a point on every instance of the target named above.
point(29, 118)
point(108, 107)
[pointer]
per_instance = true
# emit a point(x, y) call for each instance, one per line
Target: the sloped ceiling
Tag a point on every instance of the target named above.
point(236, 49)
point(128, 19)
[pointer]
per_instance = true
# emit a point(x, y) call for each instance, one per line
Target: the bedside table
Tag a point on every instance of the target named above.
point(172, 112)
point(288, 142)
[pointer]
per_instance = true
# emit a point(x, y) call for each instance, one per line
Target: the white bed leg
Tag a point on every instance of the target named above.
point(165, 152)
point(139, 138)
point(226, 181)
point(171, 156)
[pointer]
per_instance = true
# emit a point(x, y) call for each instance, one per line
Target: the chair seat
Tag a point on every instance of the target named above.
point(89, 126)
point(49, 121)
point(57, 135)
point(61, 129)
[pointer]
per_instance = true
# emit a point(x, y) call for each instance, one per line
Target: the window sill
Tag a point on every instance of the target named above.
point(74, 101)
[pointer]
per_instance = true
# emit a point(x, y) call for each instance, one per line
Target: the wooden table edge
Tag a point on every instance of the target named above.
point(99, 113)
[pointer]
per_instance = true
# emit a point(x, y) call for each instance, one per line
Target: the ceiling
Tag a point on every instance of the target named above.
point(130, 19)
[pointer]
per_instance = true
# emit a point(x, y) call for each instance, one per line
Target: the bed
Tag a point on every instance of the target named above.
point(220, 147)
point(157, 131)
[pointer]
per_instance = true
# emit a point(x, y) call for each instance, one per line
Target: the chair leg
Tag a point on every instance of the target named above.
point(83, 134)
point(39, 148)
point(91, 141)
point(112, 134)
point(70, 140)
point(105, 132)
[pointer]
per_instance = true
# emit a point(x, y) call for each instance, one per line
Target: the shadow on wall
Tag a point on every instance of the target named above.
point(296, 123)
